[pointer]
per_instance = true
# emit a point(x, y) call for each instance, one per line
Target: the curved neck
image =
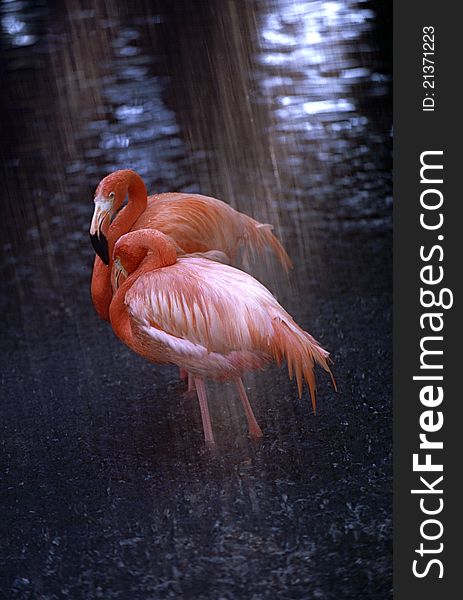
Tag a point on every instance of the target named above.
point(163, 254)
point(136, 204)
point(118, 315)
point(145, 250)
point(101, 288)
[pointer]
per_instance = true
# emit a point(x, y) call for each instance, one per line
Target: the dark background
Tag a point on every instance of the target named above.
point(283, 109)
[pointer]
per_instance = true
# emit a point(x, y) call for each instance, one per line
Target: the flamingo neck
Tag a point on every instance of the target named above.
point(127, 217)
point(118, 315)
point(101, 288)
point(163, 254)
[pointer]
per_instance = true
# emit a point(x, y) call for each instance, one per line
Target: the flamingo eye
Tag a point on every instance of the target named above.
point(111, 196)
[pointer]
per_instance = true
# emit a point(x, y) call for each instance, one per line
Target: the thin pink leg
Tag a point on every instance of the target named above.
point(191, 383)
point(205, 416)
point(253, 425)
point(182, 373)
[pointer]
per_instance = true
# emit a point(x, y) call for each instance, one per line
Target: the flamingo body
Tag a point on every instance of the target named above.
point(198, 223)
point(208, 318)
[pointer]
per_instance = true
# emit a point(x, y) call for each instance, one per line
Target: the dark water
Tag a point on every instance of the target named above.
point(282, 108)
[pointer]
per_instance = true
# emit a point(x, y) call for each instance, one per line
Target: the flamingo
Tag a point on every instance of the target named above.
point(195, 224)
point(206, 317)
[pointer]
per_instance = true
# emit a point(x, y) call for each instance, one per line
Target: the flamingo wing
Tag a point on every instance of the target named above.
point(204, 302)
point(200, 223)
point(213, 307)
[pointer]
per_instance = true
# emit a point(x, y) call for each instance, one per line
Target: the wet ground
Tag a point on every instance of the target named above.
point(282, 108)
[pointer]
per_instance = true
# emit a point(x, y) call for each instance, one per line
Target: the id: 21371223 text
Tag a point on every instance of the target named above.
point(428, 54)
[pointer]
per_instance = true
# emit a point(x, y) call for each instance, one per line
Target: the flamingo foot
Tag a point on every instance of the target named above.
point(205, 416)
point(253, 425)
point(182, 373)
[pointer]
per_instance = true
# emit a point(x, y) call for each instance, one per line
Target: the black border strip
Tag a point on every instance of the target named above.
point(417, 131)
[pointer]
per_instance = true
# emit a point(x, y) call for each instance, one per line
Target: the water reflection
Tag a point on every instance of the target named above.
point(317, 91)
point(14, 26)
point(304, 109)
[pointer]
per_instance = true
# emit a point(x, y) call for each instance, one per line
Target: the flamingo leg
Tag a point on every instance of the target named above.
point(253, 425)
point(205, 416)
point(182, 373)
point(191, 383)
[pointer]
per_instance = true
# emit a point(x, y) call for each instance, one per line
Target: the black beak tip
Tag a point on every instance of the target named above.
point(100, 245)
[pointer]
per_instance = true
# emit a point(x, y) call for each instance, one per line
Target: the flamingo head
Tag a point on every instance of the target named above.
point(118, 275)
point(127, 258)
point(109, 197)
point(132, 248)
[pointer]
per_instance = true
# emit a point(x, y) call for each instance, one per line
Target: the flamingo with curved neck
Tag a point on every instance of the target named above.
point(195, 223)
point(208, 318)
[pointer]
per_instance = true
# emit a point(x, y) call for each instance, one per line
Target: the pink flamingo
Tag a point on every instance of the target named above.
point(193, 222)
point(208, 318)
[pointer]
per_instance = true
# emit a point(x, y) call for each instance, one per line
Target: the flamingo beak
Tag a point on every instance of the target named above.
point(100, 222)
point(118, 275)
